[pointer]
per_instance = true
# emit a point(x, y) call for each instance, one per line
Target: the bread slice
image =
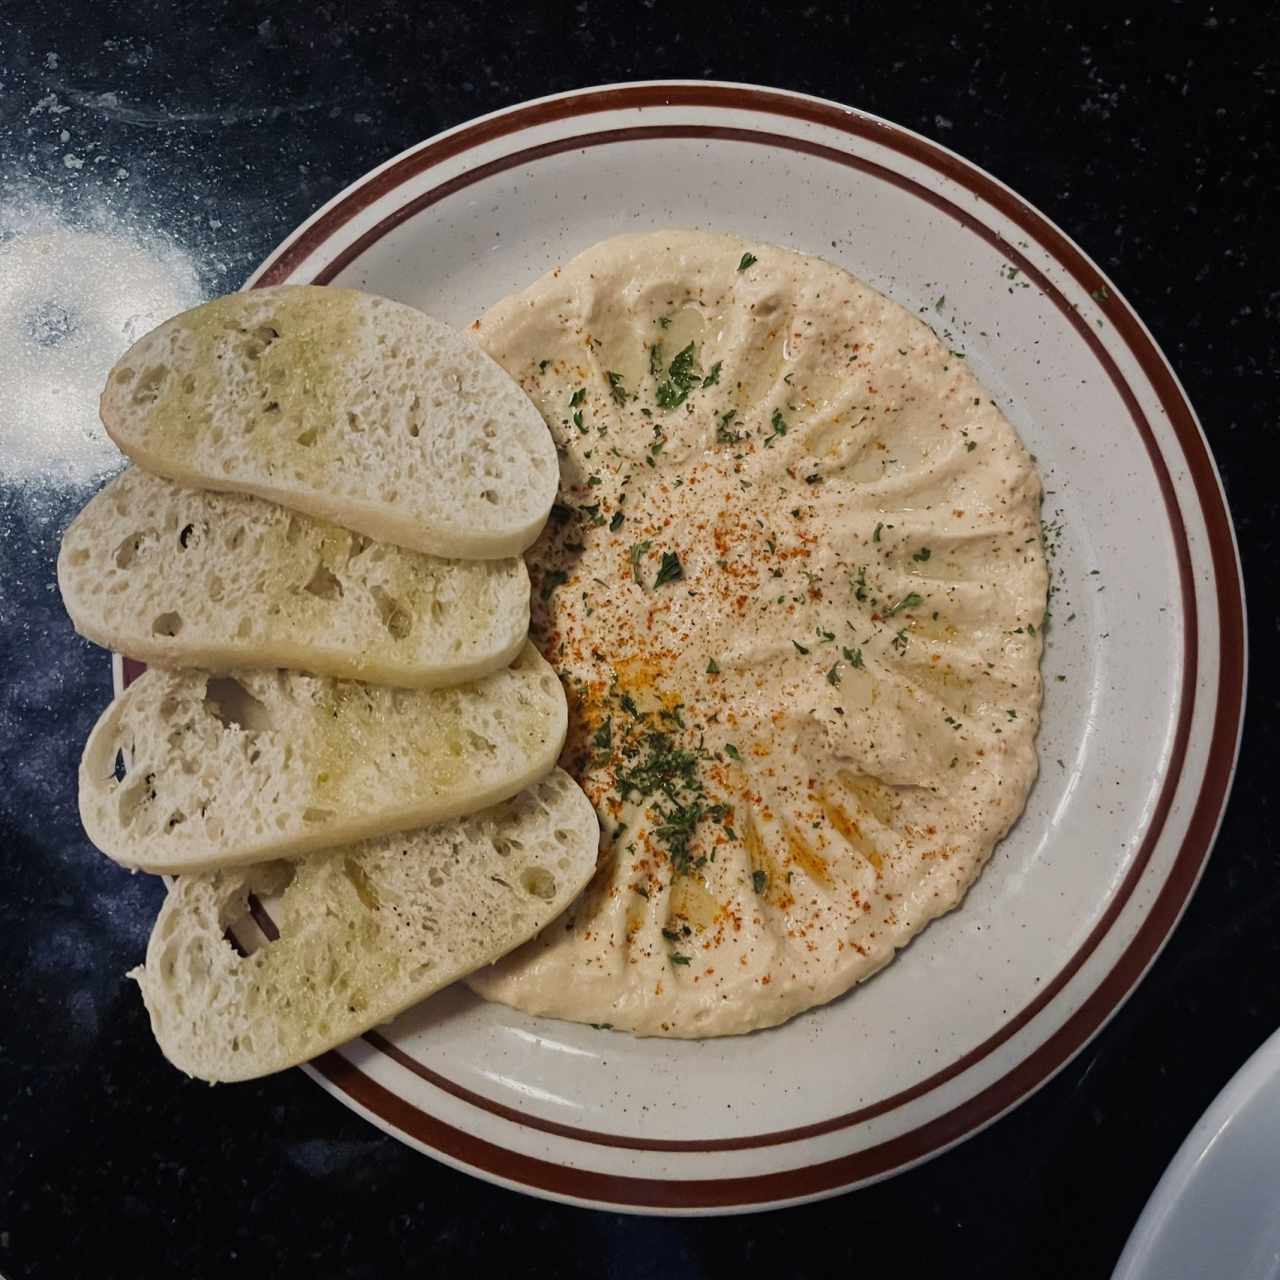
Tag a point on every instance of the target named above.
point(364, 931)
point(184, 577)
point(347, 406)
point(258, 765)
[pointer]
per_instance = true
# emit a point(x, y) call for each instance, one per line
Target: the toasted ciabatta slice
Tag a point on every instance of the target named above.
point(364, 931)
point(347, 406)
point(188, 578)
point(258, 765)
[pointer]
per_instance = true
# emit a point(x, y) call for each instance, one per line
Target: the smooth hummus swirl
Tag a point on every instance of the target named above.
point(794, 587)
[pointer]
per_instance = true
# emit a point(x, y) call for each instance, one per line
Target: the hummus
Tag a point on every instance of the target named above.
point(794, 586)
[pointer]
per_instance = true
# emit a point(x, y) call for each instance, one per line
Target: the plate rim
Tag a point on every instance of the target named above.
point(1214, 784)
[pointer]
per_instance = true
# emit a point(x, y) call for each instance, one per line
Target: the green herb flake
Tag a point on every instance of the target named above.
point(713, 667)
point(852, 656)
point(779, 425)
point(671, 935)
point(578, 397)
point(922, 555)
point(616, 388)
point(616, 523)
point(676, 958)
point(671, 570)
point(875, 537)
point(655, 360)
point(641, 890)
point(748, 260)
point(759, 881)
point(713, 377)
point(907, 602)
point(638, 549)
point(602, 739)
point(542, 365)
point(683, 375)
point(723, 434)
point(628, 704)
point(799, 647)
point(732, 752)
point(833, 676)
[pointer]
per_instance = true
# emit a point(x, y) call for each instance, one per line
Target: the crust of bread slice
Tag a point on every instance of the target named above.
point(229, 770)
point(350, 407)
point(364, 931)
point(189, 578)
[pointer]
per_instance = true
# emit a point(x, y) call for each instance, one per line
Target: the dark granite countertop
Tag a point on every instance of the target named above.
point(151, 153)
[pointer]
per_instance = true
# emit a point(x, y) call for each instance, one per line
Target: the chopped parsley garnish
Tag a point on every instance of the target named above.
point(723, 434)
point(713, 667)
point(638, 549)
point(833, 676)
point(713, 378)
point(860, 584)
point(748, 260)
point(875, 537)
point(603, 736)
point(970, 446)
point(683, 375)
point(941, 302)
point(671, 773)
point(799, 647)
point(629, 706)
point(900, 640)
point(670, 570)
point(825, 636)
point(907, 602)
point(676, 958)
point(671, 935)
point(577, 422)
point(616, 389)
point(779, 425)
point(732, 752)
point(852, 656)
point(578, 397)
point(664, 322)
point(616, 523)
point(922, 555)
point(759, 881)
point(655, 360)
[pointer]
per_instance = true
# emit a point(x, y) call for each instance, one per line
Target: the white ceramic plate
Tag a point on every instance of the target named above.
point(1216, 1211)
point(1145, 662)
